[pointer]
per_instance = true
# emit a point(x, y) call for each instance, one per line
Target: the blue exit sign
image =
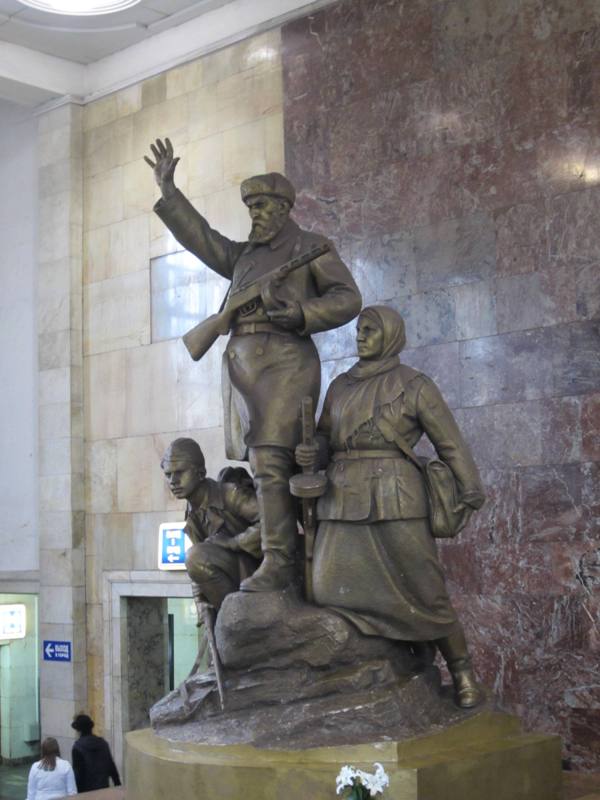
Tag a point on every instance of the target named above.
point(173, 543)
point(57, 651)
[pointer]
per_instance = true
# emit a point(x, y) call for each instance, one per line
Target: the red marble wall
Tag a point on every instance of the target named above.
point(452, 150)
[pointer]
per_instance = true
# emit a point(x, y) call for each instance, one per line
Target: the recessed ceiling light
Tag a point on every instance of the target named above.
point(80, 8)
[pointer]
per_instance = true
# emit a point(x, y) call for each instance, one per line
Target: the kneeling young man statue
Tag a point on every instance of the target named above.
point(222, 523)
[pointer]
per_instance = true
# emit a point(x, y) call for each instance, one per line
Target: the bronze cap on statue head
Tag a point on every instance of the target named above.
point(272, 184)
point(183, 451)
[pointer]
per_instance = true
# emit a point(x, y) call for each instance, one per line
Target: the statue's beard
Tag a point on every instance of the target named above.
point(264, 232)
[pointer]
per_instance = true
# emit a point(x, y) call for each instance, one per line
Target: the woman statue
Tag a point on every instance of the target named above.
point(375, 558)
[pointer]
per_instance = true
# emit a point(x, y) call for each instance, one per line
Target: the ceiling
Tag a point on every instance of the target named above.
point(85, 40)
point(48, 59)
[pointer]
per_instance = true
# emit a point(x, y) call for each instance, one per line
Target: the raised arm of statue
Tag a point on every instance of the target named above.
point(163, 166)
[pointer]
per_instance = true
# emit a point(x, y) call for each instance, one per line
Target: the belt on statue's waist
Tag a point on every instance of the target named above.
point(342, 455)
point(244, 328)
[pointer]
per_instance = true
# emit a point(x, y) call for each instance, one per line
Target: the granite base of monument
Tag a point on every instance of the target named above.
point(485, 756)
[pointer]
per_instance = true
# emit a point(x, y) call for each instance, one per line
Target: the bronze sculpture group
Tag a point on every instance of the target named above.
point(375, 560)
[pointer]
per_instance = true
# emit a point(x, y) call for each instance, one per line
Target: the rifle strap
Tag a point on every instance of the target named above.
point(222, 306)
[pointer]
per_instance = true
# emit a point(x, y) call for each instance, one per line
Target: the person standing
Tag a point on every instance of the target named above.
point(271, 361)
point(92, 760)
point(51, 777)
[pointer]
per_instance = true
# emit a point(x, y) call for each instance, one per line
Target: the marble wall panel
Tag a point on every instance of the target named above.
point(244, 152)
point(154, 90)
point(58, 143)
point(103, 198)
point(521, 238)
point(455, 252)
point(55, 456)
point(101, 476)
point(430, 317)
point(576, 363)
point(151, 402)
point(60, 567)
point(128, 100)
point(511, 368)
point(117, 313)
point(552, 504)
point(178, 283)
point(108, 146)
point(117, 249)
point(461, 185)
point(590, 424)
point(538, 299)
point(53, 350)
point(135, 457)
point(246, 97)
point(102, 112)
point(198, 394)
point(104, 388)
point(384, 266)
point(184, 79)
point(475, 310)
point(563, 428)
point(138, 191)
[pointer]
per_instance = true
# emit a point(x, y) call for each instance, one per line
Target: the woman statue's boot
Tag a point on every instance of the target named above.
point(467, 692)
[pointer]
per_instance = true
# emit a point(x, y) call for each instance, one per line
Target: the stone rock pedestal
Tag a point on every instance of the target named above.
point(297, 677)
point(485, 756)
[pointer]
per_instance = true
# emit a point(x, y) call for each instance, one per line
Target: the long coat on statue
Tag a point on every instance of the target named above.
point(267, 369)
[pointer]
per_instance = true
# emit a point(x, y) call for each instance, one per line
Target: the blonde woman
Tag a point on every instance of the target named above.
point(51, 777)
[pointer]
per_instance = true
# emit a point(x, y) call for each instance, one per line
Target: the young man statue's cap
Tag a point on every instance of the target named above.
point(184, 450)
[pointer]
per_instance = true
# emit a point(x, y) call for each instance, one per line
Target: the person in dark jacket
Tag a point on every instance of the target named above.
point(93, 763)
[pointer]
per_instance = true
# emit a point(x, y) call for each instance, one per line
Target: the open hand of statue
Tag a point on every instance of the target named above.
point(288, 316)
point(163, 166)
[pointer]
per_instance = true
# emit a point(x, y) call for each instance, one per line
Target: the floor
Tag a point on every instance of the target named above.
point(13, 786)
point(13, 782)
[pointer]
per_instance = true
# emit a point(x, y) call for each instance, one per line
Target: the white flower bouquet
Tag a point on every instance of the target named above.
point(358, 785)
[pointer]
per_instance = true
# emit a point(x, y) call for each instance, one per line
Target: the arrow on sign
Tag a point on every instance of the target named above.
point(171, 558)
point(49, 650)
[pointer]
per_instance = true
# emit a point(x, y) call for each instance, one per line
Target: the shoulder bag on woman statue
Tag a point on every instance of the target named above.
point(442, 489)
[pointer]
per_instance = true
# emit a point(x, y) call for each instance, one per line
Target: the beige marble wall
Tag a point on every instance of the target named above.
point(61, 483)
point(223, 114)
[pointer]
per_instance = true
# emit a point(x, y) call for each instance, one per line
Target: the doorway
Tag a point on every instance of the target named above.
point(162, 641)
point(19, 679)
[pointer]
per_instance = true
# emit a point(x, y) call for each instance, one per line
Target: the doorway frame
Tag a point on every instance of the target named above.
point(117, 586)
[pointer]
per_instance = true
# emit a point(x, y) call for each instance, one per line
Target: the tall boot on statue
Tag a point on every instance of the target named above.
point(274, 574)
point(467, 692)
point(272, 468)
